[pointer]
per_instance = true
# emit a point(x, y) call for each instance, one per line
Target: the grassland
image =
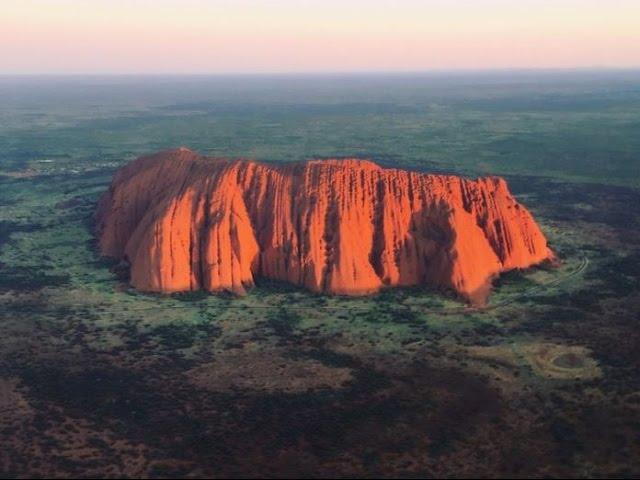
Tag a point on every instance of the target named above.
point(98, 379)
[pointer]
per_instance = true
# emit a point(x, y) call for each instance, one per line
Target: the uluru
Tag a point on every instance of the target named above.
point(182, 221)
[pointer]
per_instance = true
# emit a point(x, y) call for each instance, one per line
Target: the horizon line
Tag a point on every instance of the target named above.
point(584, 69)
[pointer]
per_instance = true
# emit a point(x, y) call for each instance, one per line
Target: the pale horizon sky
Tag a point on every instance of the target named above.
point(300, 36)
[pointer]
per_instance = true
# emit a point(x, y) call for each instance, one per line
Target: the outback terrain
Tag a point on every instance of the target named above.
point(101, 379)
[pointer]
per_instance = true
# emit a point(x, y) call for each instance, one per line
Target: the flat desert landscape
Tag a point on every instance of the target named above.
point(121, 359)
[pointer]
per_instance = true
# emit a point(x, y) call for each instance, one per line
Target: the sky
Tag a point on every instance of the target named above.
point(295, 36)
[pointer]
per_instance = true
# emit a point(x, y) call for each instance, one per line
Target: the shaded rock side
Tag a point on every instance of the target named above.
point(349, 227)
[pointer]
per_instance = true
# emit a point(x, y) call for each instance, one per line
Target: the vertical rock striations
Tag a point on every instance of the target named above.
point(187, 222)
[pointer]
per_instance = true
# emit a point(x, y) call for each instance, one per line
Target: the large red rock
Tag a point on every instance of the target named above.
point(350, 227)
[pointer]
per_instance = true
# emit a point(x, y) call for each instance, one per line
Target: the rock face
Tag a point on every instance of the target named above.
point(350, 227)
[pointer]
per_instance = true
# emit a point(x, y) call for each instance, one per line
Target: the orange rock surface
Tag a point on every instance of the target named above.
point(350, 227)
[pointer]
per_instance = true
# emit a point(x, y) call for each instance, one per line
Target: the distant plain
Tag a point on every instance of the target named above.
point(98, 379)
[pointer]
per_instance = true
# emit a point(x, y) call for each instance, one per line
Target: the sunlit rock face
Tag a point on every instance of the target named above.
point(347, 227)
